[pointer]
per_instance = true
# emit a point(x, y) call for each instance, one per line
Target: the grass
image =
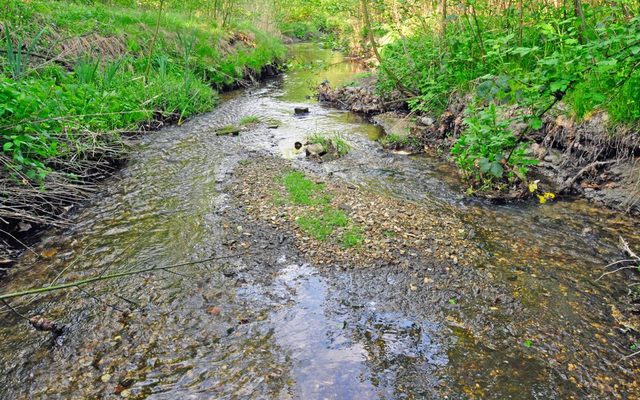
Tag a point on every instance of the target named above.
point(302, 190)
point(321, 220)
point(352, 238)
point(397, 141)
point(323, 224)
point(117, 86)
point(228, 130)
point(249, 120)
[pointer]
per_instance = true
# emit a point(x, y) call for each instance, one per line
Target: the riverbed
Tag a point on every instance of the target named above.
point(496, 301)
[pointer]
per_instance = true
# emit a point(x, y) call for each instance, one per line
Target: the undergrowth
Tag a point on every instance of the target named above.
point(96, 76)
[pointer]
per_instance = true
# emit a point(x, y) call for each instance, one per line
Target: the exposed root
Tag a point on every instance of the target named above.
point(633, 259)
point(363, 99)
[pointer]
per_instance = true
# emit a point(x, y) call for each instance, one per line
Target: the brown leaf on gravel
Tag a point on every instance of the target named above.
point(215, 311)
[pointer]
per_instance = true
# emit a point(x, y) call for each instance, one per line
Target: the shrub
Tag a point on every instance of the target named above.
point(484, 151)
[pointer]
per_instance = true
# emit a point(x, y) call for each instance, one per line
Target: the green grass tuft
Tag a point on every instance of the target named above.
point(352, 237)
point(249, 119)
point(302, 190)
point(330, 143)
point(322, 225)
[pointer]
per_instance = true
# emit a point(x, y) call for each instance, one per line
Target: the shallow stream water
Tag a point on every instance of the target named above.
point(528, 321)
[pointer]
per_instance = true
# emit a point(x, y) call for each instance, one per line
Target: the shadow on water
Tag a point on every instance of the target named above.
point(528, 321)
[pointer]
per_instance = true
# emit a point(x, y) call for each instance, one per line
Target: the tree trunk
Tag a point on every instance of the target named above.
point(520, 21)
point(577, 5)
point(374, 46)
point(153, 40)
point(443, 26)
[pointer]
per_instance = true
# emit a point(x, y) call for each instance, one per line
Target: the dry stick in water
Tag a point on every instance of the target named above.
point(104, 278)
point(634, 258)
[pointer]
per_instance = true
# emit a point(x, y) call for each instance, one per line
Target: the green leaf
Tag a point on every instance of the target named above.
point(7, 146)
point(496, 169)
point(535, 123)
point(484, 164)
point(560, 85)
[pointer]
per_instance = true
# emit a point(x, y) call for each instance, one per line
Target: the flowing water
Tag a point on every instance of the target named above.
point(528, 321)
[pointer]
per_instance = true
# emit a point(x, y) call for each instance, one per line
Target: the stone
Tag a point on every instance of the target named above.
point(228, 130)
point(301, 110)
point(554, 157)
point(538, 151)
point(314, 149)
point(427, 121)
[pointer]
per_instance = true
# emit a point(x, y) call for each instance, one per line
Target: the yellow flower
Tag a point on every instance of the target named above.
point(533, 186)
point(549, 195)
point(542, 199)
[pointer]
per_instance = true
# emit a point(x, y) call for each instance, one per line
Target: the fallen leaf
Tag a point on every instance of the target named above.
point(214, 310)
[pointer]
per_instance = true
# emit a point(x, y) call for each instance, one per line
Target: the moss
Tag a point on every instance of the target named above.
point(228, 130)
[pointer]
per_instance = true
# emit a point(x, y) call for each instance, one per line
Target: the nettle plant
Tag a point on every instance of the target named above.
point(488, 152)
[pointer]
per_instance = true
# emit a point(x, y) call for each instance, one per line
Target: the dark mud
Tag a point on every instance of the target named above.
point(517, 314)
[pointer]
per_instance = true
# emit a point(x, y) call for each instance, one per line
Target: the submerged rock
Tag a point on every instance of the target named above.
point(301, 110)
point(228, 130)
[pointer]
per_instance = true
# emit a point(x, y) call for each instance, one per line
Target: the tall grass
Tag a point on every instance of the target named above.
point(43, 109)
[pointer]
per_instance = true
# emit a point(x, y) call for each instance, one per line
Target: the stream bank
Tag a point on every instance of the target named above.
point(587, 159)
point(494, 301)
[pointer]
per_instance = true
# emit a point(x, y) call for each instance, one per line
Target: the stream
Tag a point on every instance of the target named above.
point(527, 320)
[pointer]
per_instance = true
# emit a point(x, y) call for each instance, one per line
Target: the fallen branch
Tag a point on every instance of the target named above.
point(87, 281)
point(633, 258)
point(569, 183)
point(631, 355)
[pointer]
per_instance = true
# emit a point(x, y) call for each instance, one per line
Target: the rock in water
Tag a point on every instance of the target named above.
point(315, 149)
point(301, 110)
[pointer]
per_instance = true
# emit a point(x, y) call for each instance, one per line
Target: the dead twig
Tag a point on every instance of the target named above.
point(75, 284)
point(633, 258)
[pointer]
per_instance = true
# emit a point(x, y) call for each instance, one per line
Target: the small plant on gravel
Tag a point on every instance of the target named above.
point(395, 141)
point(228, 130)
point(322, 225)
point(319, 222)
point(328, 143)
point(342, 147)
point(302, 190)
point(249, 119)
point(352, 237)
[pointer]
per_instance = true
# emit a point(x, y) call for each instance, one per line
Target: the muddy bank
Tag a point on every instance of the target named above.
point(587, 159)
